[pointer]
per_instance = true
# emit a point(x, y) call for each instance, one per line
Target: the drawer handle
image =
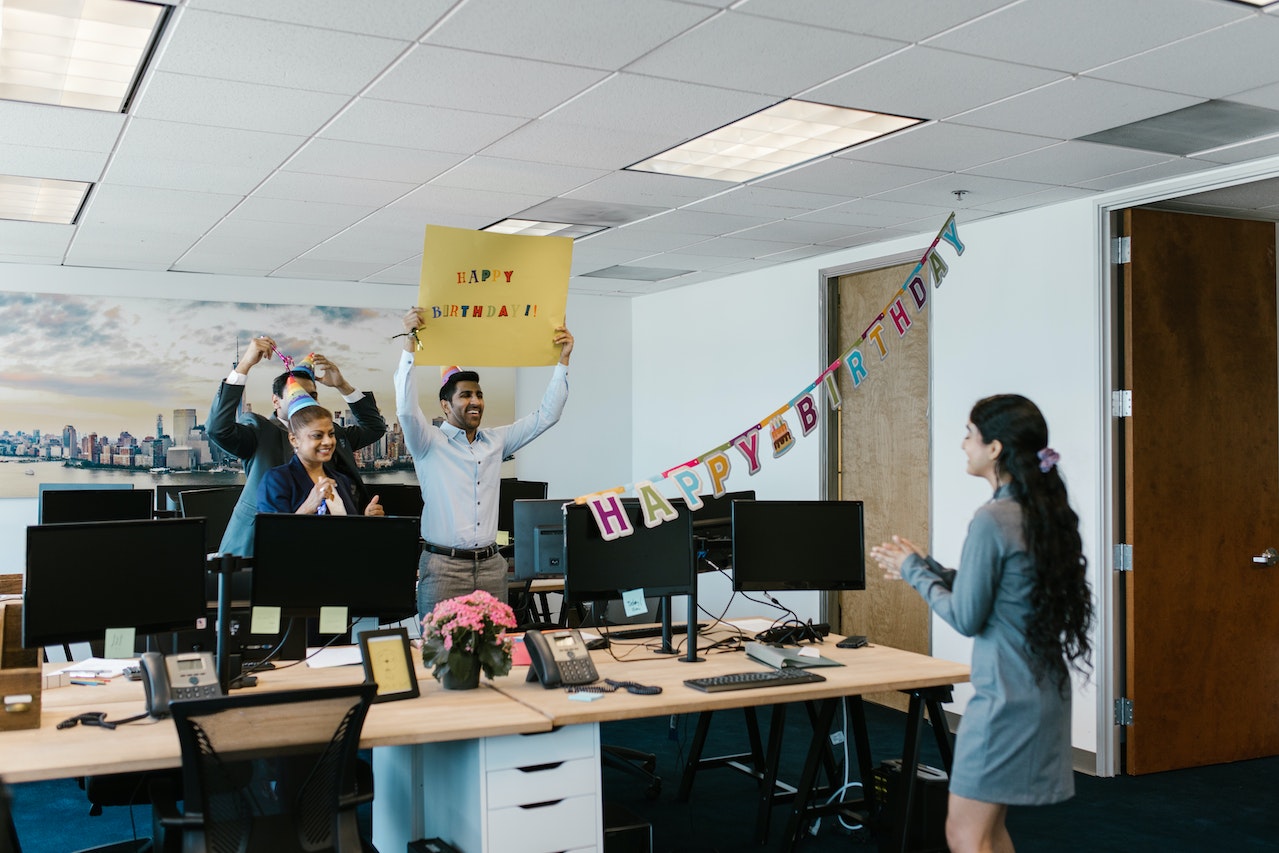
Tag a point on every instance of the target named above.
point(542, 805)
point(538, 768)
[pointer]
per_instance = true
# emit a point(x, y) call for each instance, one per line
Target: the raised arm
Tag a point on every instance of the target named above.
point(240, 440)
point(369, 423)
point(413, 422)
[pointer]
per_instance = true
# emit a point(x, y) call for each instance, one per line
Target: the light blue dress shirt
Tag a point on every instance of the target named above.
point(460, 480)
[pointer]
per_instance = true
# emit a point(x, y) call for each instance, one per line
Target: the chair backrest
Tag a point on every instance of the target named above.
point(278, 769)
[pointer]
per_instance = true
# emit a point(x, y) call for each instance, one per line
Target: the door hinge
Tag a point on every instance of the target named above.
point(1121, 250)
point(1121, 404)
point(1123, 557)
point(1123, 712)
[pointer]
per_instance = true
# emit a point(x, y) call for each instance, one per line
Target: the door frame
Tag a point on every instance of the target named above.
point(1108, 646)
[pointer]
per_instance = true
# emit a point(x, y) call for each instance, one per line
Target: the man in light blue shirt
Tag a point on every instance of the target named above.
point(459, 469)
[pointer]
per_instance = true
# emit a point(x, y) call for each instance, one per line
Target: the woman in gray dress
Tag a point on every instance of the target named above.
point(1021, 592)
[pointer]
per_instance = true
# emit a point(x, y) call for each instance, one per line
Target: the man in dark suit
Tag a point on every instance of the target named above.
point(263, 443)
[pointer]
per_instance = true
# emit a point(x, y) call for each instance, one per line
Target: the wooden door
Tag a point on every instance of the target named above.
point(1202, 490)
point(884, 427)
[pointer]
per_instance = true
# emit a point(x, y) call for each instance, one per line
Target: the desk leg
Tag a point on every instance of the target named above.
point(818, 750)
point(398, 817)
point(861, 740)
point(694, 759)
point(933, 699)
point(768, 783)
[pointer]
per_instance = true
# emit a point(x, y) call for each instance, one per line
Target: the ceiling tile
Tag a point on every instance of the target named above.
point(413, 126)
point(327, 269)
point(976, 191)
point(390, 18)
point(606, 34)
point(798, 231)
point(332, 189)
point(490, 206)
point(1242, 152)
point(631, 238)
point(1069, 163)
point(1145, 174)
point(374, 162)
point(1074, 107)
point(33, 242)
point(647, 188)
point(555, 141)
point(946, 146)
point(228, 47)
point(1083, 34)
point(408, 273)
point(43, 126)
point(704, 222)
point(121, 208)
point(481, 82)
point(907, 20)
point(1210, 65)
point(875, 212)
point(734, 51)
point(770, 202)
point(837, 176)
point(306, 212)
point(63, 163)
point(728, 247)
point(235, 104)
point(498, 174)
point(922, 82)
point(868, 236)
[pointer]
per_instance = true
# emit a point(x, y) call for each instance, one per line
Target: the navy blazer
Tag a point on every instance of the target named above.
point(263, 443)
point(284, 488)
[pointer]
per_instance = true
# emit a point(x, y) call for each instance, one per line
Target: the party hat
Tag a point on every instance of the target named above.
point(446, 373)
point(296, 398)
point(305, 364)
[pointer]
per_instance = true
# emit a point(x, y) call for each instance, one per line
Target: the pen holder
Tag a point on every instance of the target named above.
point(20, 681)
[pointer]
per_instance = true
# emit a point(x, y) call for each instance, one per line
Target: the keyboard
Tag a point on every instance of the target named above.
point(754, 678)
point(648, 631)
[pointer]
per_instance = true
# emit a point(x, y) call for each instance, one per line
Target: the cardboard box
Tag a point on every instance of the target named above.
point(21, 679)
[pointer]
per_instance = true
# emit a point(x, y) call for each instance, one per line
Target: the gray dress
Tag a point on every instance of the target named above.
point(1013, 745)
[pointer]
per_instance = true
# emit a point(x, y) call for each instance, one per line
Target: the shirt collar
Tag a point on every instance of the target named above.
point(453, 432)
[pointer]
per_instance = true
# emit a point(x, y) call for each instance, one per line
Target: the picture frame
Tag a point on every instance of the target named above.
point(388, 663)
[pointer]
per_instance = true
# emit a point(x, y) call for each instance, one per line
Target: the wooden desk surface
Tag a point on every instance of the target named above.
point(871, 669)
point(52, 753)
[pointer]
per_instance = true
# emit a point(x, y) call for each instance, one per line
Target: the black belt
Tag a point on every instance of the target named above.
point(467, 553)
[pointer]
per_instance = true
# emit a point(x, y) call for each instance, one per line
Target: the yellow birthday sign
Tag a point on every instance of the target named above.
point(491, 300)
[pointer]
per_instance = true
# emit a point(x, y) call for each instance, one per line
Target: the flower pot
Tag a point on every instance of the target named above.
point(452, 682)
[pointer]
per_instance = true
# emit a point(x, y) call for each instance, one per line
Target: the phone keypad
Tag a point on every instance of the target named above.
point(199, 691)
point(579, 671)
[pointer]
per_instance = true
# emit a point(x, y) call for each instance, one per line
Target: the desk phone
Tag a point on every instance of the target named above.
point(170, 678)
point(559, 658)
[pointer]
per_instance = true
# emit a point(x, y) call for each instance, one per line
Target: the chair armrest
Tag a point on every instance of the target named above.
point(164, 807)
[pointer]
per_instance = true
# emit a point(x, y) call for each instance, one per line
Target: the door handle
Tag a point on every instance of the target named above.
point(1268, 557)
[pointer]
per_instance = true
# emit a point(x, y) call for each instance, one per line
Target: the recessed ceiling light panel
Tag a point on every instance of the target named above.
point(75, 53)
point(771, 140)
point(542, 229)
point(41, 199)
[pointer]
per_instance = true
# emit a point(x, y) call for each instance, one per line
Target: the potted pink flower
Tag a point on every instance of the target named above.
point(464, 635)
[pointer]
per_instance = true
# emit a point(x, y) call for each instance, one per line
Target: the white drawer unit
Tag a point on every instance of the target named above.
point(536, 793)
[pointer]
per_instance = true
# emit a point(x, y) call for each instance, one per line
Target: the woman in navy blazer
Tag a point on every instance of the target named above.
point(308, 484)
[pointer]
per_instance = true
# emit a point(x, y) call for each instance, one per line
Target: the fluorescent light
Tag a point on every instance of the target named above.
point(771, 140)
point(74, 53)
point(542, 229)
point(40, 199)
point(1260, 4)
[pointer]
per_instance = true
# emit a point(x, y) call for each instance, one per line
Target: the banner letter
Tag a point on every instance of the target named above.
point(748, 444)
point(950, 233)
point(900, 318)
point(656, 507)
point(689, 485)
point(856, 369)
point(918, 291)
point(807, 411)
point(610, 518)
point(939, 268)
point(832, 391)
point(876, 335)
point(719, 468)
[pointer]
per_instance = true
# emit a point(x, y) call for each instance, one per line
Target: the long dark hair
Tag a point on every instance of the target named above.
point(1061, 605)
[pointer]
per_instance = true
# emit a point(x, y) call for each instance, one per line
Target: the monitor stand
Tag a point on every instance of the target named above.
point(229, 675)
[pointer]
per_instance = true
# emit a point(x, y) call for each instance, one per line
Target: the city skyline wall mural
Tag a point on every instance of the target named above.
point(86, 380)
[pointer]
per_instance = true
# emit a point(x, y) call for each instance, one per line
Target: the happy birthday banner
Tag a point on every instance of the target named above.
point(491, 299)
point(606, 505)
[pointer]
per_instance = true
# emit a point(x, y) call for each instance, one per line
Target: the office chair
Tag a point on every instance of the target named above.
point(271, 772)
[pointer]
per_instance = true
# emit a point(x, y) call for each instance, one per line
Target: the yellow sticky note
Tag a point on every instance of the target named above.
point(333, 620)
point(265, 620)
point(503, 538)
point(119, 643)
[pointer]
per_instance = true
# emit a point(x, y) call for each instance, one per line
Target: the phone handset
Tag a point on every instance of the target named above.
point(165, 678)
point(559, 657)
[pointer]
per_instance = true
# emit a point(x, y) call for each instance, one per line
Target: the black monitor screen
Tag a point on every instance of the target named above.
point(780, 545)
point(367, 564)
point(397, 498)
point(539, 539)
point(85, 578)
point(657, 559)
point(510, 491)
point(214, 506)
point(60, 506)
point(717, 512)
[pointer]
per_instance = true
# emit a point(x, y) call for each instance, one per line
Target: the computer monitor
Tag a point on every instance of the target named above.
point(367, 564)
point(808, 545)
point(511, 490)
point(538, 538)
point(60, 506)
point(716, 514)
point(214, 506)
point(399, 499)
point(85, 578)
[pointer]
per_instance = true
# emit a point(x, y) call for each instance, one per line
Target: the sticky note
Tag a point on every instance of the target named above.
point(265, 620)
point(633, 602)
point(809, 652)
point(585, 697)
point(119, 643)
point(333, 620)
point(503, 538)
